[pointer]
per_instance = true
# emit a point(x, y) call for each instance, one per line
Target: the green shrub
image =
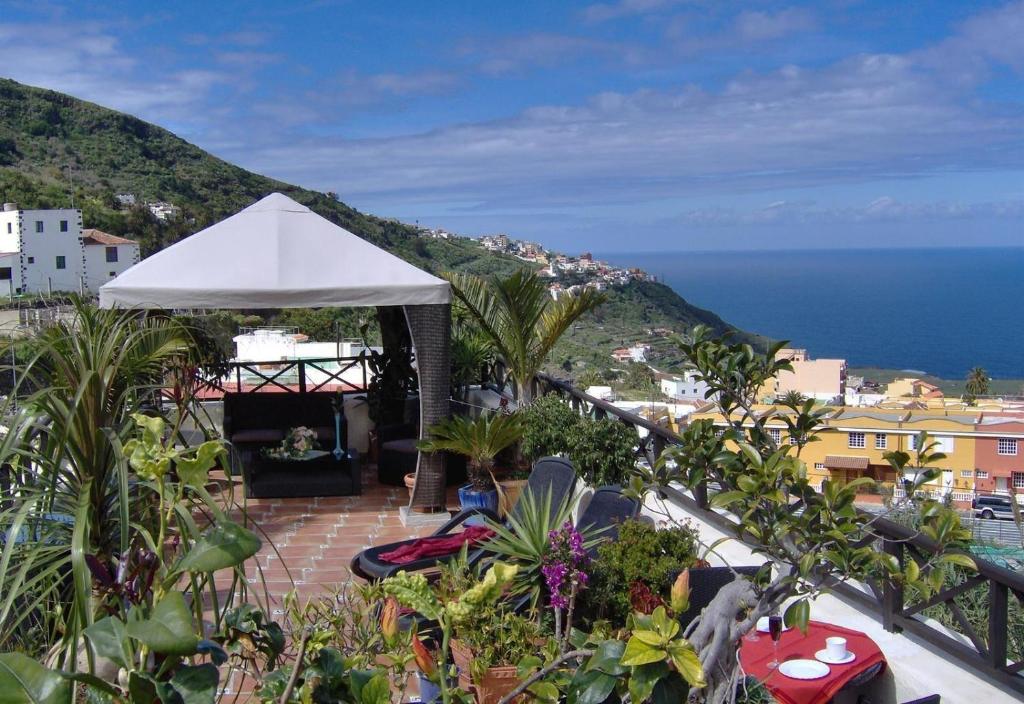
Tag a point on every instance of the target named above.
point(641, 554)
point(602, 451)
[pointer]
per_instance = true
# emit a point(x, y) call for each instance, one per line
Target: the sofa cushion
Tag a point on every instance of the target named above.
point(258, 435)
point(406, 445)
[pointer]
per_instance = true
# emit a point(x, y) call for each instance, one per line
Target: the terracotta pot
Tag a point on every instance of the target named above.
point(410, 482)
point(508, 494)
point(495, 683)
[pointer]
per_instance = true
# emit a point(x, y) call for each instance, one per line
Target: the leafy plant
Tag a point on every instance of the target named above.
point(520, 319)
point(760, 484)
point(643, 555)
point(479, 439)
point(524, 538)
point(602, 451)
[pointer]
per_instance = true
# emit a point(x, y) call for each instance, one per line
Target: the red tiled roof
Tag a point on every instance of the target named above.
point(845, 462)
point(91, 236)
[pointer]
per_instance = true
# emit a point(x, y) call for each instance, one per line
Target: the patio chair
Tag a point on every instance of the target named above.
point(607, 510)
point(550, 475)
point(705, 583)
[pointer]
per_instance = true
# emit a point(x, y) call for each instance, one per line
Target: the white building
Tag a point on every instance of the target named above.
point(106, 256)
point(685, 385)
point(44, 250)
point(164, 211)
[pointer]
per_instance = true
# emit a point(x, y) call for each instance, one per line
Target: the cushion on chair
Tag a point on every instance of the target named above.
point(406, 445)
point(258, 435)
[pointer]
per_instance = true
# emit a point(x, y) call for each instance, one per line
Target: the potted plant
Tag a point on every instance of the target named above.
point(487, 650)
point(479, 439)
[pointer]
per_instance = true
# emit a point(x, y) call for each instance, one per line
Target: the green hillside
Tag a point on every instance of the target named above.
point(53, 146)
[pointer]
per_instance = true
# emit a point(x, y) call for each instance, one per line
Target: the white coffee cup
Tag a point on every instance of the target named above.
point(835, 648)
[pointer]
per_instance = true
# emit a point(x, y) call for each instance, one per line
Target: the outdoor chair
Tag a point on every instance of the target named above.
point(607, 510)
point(705, 583)
point(550, 475)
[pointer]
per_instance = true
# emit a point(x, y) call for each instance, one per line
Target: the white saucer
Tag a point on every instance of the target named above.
point(824, 657)
point(804, 669)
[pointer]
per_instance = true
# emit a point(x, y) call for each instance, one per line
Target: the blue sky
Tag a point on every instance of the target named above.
point(611, 126)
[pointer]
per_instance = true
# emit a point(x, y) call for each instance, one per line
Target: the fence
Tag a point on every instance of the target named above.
point(343, 374)
point(984, 649)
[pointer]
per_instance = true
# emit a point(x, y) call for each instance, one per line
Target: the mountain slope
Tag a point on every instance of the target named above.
point(53, 145)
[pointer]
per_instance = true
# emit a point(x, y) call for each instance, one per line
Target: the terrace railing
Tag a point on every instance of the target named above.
point(988, 643)
point(289, 375)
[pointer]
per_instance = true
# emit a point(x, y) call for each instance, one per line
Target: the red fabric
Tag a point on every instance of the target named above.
point(436, 546)
point(793, 645)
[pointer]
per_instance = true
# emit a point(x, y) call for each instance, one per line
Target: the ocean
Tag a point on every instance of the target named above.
point(940, 311)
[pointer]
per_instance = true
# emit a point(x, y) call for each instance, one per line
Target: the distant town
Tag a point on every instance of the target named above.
point(578, 272)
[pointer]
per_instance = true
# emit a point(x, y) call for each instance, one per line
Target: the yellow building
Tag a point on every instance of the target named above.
point(852, 442)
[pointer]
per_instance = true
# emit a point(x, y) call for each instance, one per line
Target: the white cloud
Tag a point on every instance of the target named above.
point(880, 210)
point(753, 25)
point(602, 12)
point(510, 54)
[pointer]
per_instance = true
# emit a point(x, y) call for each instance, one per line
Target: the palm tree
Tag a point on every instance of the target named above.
point(519, 317)
point(977, 383)
point(479, 439)
point(792, 398)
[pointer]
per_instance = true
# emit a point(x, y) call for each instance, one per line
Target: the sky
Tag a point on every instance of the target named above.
point(620, 125)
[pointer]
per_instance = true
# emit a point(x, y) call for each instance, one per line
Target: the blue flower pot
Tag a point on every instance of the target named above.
point(471, 498)
point(429, 692)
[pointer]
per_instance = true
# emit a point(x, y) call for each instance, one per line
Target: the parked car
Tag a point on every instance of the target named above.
point(993, 507)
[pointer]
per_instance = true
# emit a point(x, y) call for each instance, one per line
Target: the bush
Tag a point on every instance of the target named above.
point(643, 559)
point(602, 451)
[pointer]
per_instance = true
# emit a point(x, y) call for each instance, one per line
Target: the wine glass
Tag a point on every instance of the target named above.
point(775, 629)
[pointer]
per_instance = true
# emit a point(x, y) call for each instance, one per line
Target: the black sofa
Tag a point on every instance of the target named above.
point(256, 421)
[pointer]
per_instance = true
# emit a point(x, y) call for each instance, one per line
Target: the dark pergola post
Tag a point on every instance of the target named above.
point(431, 328)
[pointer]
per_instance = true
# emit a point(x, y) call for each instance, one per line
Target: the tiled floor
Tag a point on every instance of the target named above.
point(309, 542)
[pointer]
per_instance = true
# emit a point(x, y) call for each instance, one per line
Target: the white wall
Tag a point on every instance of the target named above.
point(99, 271)
point(44, 247)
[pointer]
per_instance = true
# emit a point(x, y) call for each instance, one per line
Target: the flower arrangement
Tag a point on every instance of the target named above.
point(296, 444)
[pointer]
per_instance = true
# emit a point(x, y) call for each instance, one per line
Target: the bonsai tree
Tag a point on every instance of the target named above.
point(519, 317)
point(808, 539)
point(479, 439)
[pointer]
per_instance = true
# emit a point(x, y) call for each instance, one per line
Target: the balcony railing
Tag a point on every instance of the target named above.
point(289, 375)
point(992, 651)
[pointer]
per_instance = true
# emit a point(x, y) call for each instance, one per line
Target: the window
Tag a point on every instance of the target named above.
point(1007, 446)
point(111, 254)
point(1018, 480)
point(776, 435)
point(10, 228)
point(39, 225)
point(819, 465)
point(31, 260)
point(856, 440)
point(881, 441)
point(63, 225)
point(61, 263)
point(113, 274)
point(5, 273)
point(942, 443)
point(792, 439)
point(981, 474)
point(966, 473)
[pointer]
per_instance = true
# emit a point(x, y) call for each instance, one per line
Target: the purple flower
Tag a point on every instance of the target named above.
point(564, 564)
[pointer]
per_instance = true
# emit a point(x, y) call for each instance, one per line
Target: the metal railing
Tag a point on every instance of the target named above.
point(988, 651)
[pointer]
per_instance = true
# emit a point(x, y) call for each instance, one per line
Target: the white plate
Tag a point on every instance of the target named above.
point(824, 657)
point(804, 669)
point(762, 625)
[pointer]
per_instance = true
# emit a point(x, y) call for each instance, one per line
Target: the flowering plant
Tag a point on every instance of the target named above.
point(297, 442)
point(564, 572)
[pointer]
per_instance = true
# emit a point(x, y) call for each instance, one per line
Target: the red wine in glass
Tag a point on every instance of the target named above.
point(775, 629)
